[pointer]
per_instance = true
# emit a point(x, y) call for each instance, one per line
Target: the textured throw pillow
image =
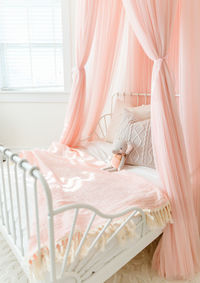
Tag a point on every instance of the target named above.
point(139, 134)
point(141, 113)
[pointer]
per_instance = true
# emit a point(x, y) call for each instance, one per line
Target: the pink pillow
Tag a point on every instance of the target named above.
point(139, 134)
point(140, 113)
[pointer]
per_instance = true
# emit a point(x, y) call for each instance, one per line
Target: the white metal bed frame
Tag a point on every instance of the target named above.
point(96, 266)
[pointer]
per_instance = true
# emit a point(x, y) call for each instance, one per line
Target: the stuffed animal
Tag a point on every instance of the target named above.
point(120, 152)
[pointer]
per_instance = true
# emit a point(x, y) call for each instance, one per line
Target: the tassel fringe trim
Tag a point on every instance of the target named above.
point(39, 263)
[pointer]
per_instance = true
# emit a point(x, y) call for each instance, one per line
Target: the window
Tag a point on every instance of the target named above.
point(33, 56)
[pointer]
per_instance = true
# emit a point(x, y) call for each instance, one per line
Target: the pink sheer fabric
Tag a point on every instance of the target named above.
point(177, 255)
point(130, 75)
point(86, 22)
point(99, 23)
point(110, 20)
point(190, 90)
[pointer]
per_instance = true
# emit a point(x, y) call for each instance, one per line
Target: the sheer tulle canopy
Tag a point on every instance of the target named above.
point(163, 38)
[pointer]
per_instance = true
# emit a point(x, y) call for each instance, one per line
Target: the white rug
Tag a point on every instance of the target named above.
point(137, 271)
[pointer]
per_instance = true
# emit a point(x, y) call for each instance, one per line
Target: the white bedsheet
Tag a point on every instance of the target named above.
point(103, 151)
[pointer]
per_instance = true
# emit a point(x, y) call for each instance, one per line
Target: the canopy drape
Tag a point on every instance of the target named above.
point(110, 21)
point(152, 22)
point(98, 29)
point(86, 23)
point(190, 90)
point(130, 74)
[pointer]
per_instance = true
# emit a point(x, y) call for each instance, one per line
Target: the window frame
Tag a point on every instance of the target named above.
point(54, 96)
point(35, 97)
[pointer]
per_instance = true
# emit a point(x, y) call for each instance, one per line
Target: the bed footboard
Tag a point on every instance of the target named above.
point(97, 265)
point(96, 259)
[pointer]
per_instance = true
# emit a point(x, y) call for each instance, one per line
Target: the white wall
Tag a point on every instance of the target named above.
point(30, 124)
point(27, 125)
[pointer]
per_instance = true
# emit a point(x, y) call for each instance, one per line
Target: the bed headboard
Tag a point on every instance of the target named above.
point(129, 99)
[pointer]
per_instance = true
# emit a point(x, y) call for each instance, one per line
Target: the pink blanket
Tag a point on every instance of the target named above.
point(75, 177)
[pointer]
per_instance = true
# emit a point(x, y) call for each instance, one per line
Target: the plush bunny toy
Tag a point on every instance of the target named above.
point(120, 152)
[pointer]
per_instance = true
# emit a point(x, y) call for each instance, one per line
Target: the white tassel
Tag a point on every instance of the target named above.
point(155, 218)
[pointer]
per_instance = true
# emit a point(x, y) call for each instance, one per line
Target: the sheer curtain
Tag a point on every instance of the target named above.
point(177, 255)
point(99, 30)
point(190, 90)
point(130, 74)
point(86, 23)
point(134, 68)
point(110, 22)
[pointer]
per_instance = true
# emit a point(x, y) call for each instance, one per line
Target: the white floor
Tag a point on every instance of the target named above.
point(137, 271)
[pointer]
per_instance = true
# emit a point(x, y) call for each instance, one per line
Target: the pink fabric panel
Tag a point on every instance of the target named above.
point(190, 90)
point(152, 22)
point(135, 67)
point(173, 51)
point(86, 22)
point(110, 20)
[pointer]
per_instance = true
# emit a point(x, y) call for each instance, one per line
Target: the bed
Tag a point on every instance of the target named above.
point(19, 203)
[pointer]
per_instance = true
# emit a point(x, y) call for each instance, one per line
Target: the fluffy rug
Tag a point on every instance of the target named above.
point(136, 271)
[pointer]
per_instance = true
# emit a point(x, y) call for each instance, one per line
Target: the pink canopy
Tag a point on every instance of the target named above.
point(159, 26)
point(153, 22)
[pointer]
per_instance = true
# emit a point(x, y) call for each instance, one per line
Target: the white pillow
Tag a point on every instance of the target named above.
point(139, 134)
point(141, 113)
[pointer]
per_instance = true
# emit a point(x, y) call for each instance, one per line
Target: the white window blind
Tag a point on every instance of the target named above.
point(31, 45)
